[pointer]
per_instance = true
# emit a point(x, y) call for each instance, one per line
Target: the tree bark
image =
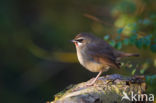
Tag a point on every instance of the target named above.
point(108, 89)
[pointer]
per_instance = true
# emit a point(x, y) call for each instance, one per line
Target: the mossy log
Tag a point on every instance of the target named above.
point(108, 89)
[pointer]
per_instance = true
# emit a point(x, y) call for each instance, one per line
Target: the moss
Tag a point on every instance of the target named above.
point(106, 90)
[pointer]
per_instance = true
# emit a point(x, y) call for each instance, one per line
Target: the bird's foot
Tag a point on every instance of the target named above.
point(90, 84)
point(111, 81)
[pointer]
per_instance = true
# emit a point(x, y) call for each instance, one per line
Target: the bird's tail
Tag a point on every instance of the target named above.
point(130, 54)
point(123, 54)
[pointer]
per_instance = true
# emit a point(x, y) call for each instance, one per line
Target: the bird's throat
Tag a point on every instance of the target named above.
point(76, 44)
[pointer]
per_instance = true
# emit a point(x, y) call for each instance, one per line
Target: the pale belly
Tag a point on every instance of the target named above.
point(96, 67)
point(91, 65)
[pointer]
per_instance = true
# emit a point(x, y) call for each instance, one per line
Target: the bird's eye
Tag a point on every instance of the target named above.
point(79, 40)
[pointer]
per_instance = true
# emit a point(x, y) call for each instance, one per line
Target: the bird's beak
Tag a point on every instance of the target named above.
point(73, 41)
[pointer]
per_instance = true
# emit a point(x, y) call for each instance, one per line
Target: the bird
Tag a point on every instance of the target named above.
point(96, 55)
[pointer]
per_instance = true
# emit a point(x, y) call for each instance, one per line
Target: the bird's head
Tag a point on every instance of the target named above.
point(83, 39)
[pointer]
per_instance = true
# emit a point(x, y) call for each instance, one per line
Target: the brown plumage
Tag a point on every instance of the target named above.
point(96, 55)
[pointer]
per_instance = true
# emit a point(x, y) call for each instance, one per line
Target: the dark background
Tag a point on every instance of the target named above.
point(37, 58)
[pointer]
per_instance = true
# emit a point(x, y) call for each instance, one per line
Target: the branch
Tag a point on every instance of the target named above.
point(108, 89)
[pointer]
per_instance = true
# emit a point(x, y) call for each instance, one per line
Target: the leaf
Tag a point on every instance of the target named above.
point(122, 63)
point(133, 72)
point(153, 47)
point(126, 6)
point(112, 43)
point(142, 71)
point(146, 21)
point(106, 37)
point(139, 43)
point(126, 41)
point(119, 31)
point(144, 67)
point(153, 16)
point(150, 78)
point(149, 36)
point(130, 66)
point(119, 45)
point(147, 41)
point(133, 38)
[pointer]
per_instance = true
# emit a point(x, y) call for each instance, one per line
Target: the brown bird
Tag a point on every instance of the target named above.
point(96, 55)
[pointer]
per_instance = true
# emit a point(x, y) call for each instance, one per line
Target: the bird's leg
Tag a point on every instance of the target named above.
point(90, 84)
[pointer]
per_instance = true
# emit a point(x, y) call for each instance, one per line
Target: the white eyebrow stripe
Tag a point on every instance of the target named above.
point(79, 43)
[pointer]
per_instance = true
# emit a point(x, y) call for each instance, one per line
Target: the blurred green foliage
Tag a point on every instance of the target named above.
point(36, 57)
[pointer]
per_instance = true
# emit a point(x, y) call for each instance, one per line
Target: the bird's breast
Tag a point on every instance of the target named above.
point(80, 57)
point(86, 61)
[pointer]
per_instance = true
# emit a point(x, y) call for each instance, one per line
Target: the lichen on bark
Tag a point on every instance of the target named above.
point(108, 89)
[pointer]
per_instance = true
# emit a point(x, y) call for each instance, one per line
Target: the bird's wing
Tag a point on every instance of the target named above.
point(102, 54)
